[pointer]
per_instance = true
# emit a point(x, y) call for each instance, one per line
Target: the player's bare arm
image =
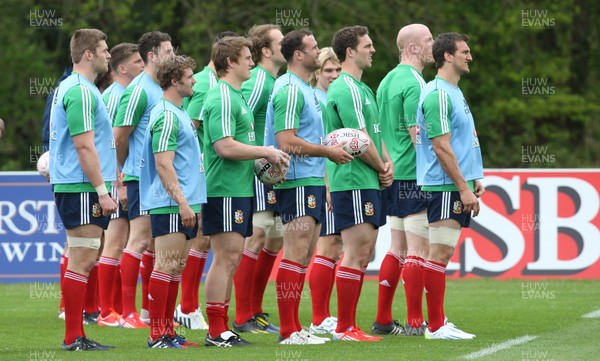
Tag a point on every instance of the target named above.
point(447, 159)
point(371, 156)
point(90, 163)
point(121, 135)
point(386, 178)
point(231, 149)
point(169, 180)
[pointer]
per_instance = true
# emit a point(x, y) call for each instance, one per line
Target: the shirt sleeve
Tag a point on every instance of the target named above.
point(80, 105)
point(287, 106)
point(219, 116)
point(349, 106)
point(112, 101)
point(437, 108)
point(133, 104)
point(194, 108)
point(254, 92)
point(164, 133)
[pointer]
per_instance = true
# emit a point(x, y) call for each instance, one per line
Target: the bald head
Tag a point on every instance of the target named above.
point(411, 34)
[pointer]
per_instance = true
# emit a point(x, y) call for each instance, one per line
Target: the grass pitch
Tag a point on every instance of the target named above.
point(513, 320)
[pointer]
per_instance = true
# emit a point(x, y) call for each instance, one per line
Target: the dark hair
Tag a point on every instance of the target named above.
point(446, 43)
point(173, 69)
point(85, 39)
point(229, 47)
point(261, 38)
point(347, 37)
point(119, 53)
point(292, 41)
point(150, 42)
point(103, 81)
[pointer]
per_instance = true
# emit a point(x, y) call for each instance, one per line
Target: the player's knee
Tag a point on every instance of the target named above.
point(397, 223)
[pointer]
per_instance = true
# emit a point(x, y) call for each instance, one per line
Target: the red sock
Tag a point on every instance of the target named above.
point(389, 274)
point(116, 291)
point(188, 277)
point(242, 282)
point(107, 267)
point(297, 307)
point(412, 276)
point(159, 287)
point(91, 291)
point(434, 278)
point(348, 289)
point(264, 266)
point(170, 306)
point(226, 315)
point(64, 262)
point(215, 312)
point(74, 286)
point(130, 268)
point(146, 268)
point(320, 281)
point(288, 291)
point(360, 286)
point(198, 279)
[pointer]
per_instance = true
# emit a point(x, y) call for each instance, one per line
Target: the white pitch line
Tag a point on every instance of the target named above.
point(500, 346)
point(593, 314)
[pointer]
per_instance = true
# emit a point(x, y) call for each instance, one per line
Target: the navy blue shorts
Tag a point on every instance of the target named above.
point(227, 214)
point(405, 197)
point(133, 200)
point(447, 205)
point(328, 227)
point(302, 201)
point(121, 211)
point(358, 206)
point(265, 198)
point(78, 209)
point(163, 224)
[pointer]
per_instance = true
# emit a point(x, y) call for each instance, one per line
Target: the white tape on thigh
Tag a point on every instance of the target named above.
point(417, 224)
point(83, 242)
point(275, 231)
point(444, 235)
point(263, 220)
point(397, 223)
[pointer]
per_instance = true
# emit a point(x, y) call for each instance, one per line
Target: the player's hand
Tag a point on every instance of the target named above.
point(338, 155)
point(328, 199)
point(386, 178)
point(278, 157)
point(121, 191)
point(108, 204)
point(479, 189)
point(188, 216)
point(470, 202)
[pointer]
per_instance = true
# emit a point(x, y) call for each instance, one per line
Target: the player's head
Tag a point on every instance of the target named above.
point(224, 34)
point(330, 69)
point(266, 43)
point(414, 43)
point(126, 60)
point(89, 45)
point(155, 46)
point(232, 53)
point(177, 72)
point(104, 80)
point(451, 49)
point(300, 47)
point(353, 44)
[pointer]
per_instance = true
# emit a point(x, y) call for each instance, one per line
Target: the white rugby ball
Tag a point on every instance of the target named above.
point(356, 141)
point(268, 173)
point(43, 165)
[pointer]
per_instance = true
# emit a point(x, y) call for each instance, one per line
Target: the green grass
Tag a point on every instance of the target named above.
point(496, 311)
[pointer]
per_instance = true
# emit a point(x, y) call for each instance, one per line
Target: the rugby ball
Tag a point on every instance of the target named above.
point(356, 141)
point(267, 173)
point(43, 165)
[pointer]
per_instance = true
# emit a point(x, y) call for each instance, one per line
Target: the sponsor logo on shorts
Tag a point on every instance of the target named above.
point(457, 208)
point(96, 210)
point(239, 216)
point(271, 197)
point(312, 201)
point(369, 209)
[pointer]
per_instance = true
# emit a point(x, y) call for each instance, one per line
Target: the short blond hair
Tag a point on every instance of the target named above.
point(229, 47)
point(327, 54)
point(85, 39)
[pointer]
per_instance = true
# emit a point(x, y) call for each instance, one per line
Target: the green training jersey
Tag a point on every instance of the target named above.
point(226, 114)
point(398, 100)
point(205, 80)
point(257, 91)
point(351, 104)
